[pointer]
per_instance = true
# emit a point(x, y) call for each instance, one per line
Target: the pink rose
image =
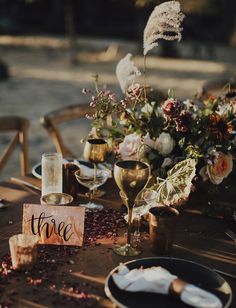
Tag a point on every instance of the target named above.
point(221, 167)
point(128, 149)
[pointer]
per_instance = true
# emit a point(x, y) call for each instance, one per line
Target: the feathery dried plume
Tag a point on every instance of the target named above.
point(126, 72)
point(163, 23)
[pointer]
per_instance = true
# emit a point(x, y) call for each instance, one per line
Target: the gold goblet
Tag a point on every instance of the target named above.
point(131, 177)
point(96, 151)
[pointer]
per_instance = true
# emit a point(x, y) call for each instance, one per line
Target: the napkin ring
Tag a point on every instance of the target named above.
point(176, 288)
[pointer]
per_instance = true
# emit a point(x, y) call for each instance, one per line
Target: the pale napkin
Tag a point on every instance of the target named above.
point(143, 205)
point(140, 211)
point(90, 171)
point(156, 279)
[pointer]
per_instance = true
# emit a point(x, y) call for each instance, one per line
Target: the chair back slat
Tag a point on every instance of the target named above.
point(69, 113)
point(54, 119)
point(24, 154)
point(20, 125)
point(216, 86)
point(8, 151)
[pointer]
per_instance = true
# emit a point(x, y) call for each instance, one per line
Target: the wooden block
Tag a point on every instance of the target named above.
point(55, 225)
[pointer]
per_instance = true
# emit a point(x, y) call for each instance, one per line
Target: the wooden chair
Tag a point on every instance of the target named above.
point(215, 86)
point(54, 119)
point(20, 126)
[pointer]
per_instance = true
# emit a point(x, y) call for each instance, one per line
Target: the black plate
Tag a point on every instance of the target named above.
point(37, 170)
point(191, 272)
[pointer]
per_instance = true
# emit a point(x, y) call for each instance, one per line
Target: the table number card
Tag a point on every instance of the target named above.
point(55, 225)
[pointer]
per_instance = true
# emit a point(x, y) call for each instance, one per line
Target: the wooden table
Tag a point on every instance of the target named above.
point(198, 238)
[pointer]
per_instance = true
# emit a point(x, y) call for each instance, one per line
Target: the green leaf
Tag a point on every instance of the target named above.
point(176, 188)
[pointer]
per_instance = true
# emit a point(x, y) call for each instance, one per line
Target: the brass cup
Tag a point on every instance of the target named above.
point(57, 199)
point(96, 150)
point(162, 225)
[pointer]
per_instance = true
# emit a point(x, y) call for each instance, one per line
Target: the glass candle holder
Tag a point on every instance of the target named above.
point(23, 248)
point(51, 173)
point(57, 199)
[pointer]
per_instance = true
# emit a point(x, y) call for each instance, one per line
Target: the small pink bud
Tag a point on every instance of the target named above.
point(112, 97)
point(85, 91)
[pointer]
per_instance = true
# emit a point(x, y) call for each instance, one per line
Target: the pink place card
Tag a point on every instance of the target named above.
point(55, 225)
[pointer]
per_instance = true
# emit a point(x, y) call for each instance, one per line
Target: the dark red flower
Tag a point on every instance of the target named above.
point(172, 108)
point(219, 127)
point(183, 122)
point(230, 94)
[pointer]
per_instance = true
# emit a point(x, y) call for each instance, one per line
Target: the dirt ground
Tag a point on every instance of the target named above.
point(42, 81)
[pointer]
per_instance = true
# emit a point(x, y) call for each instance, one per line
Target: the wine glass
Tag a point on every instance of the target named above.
point(89, 181)
point(143, 202)
point(131, 177)
point(96, 151)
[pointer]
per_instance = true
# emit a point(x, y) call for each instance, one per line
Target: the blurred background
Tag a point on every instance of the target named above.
point(50, 49)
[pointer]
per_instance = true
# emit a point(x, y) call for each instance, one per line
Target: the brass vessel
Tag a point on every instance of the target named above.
point(96, 150)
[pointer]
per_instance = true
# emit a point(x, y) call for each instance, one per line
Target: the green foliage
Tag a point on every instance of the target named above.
point(175, 189)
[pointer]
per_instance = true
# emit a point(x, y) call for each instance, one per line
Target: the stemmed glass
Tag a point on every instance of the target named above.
point(143, 202)
point(89, 181)
point(131, 177)
point(95, 151)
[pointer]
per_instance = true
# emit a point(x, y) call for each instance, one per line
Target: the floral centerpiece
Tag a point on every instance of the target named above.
point(168, 132)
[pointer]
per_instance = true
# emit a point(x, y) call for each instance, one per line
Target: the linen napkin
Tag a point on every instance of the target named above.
point(140, 211)
point(144, 204)
point(90, 171)
point(156, 279)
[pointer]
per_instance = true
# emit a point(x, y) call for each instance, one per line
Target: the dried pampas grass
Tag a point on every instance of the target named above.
point(163, 23)
point(126, 72)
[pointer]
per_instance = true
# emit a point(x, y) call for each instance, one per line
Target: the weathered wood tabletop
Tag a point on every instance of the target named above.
point(77, 277)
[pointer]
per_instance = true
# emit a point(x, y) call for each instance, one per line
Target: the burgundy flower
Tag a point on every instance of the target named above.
point(172, 108)
point(183, 122)
point(230, 94)
point(219, 127)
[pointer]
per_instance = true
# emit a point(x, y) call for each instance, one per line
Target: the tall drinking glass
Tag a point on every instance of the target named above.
point(131, 177)
point(51, 173)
